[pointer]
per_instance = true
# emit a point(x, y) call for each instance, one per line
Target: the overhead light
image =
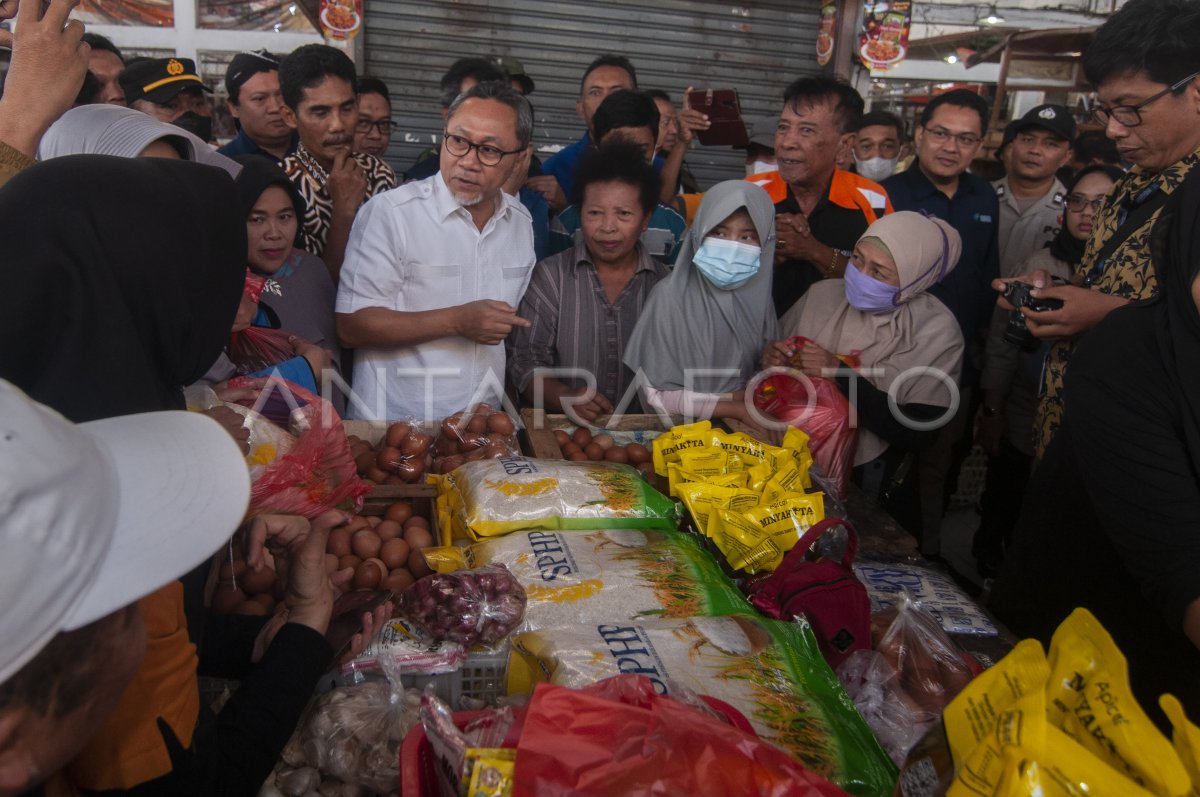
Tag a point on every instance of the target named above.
point(990, 17)
point(951, 59)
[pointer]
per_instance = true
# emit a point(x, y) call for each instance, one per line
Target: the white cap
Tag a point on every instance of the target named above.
point(96, 515)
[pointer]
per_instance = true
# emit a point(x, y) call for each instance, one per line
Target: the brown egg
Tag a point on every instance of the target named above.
point(353, 440)
point(594, 451)
point(389, 458)
point(495, 451)
point(399, 511)
point(417, 537)
point(582, 437)
point(228, 571)
point(339, 541)
point(475, 455)
point(364, 461)
point(570, 449)
point(604, 441)
point(617, 454)
point(410, 470)
point(500, 423)
point(251, 608)
point(394, 480)
point(357, 522)
point(365, 543)
point(453, 426)
point(445, 447)
point(350, 560)
point(396, 434)
point(398, 580)
point(331, 563)
point(578, 456)
point(394, 553)
point(373, 521)
point(417, 564)
point(638, 453)
point(483, 408)
point(450, 463)
point(225, 599)
point(474, 440)
point(646, 468)
point(388, 529)
point(416, 520)
point(416, 444)
point(477, 425)
point(256, 582)
point(368, 574)
point(562, 438)
point(376, 475)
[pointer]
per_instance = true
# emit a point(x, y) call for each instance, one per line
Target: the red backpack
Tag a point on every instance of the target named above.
point(825, 591)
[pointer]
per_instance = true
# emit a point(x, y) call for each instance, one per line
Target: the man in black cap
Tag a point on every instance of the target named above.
point(255, 101)
point(1034, 148)
point(515, 70)
point(170, 90)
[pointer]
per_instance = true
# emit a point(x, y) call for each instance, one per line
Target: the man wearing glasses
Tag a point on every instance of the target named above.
point(435, 269)
point(948, 138)
point(374, 131)
point(1145, 66)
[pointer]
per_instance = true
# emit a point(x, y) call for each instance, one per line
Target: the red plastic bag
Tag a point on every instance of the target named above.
point(823, 414)
point(258, 348)
point(636, 742)
point(318, 473)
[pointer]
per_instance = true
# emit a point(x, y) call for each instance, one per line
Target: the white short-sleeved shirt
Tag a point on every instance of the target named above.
point(414, 248)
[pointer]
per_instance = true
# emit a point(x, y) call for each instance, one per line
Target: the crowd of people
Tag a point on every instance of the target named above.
point(1052, 315)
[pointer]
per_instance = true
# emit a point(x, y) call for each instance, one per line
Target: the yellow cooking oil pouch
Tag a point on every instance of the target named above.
point(785, 519)
point(745, 545)
point(1057, 767)
point(787, 479)
point(700, 499)
point(667, 446)
point(1185, 737)
point(1088, 698)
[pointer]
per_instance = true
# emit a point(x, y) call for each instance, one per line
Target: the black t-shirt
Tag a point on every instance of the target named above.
point(832, 225)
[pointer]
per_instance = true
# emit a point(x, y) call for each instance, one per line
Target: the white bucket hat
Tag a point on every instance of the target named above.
point(96, 515)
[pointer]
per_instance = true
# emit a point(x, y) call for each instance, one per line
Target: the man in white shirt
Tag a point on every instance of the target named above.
point(435, 269)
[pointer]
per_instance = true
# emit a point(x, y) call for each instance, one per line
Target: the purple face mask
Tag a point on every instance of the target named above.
point(869, 294)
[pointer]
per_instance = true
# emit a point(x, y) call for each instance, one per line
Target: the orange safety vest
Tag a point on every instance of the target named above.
point(848, 190)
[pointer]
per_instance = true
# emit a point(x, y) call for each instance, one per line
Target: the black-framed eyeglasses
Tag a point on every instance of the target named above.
point(488, 155)
point(1130, 115)
point(941, 135)
point(384, 126)
point(1077, 202)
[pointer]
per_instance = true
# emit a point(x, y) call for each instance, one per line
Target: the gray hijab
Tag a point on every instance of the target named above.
point(104, 129)
point(690, 324)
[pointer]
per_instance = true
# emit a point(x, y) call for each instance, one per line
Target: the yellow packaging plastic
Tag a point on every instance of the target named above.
point(786, 480)
point(491, 771)
point(1088, 698)
point(744, 544)
point(1055, 766)
point(666, 446)
point(1185, 737)
point(701, 499)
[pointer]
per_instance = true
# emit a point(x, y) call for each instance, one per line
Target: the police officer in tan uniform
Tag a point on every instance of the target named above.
point(1034, 148)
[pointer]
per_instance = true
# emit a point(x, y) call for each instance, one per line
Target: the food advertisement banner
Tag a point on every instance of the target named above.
point(341, 19)
point(826, 31)
point(883, 42)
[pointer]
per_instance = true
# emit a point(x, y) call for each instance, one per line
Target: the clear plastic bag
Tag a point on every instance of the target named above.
point(477, 433)
point(481, 606)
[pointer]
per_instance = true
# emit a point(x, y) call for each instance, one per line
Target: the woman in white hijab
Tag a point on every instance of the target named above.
point(125, 133)
point(908, 346)
point(704, 327)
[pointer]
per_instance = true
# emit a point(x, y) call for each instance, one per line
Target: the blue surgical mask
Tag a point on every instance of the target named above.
point(869, 294)
point(727, 264)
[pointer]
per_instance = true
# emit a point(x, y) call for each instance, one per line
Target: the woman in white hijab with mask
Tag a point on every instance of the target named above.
point(907, 343)
point(703, 329)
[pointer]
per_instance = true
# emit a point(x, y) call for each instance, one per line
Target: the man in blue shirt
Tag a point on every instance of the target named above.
point(252, 81)
point(605, 75)
point(948, 138)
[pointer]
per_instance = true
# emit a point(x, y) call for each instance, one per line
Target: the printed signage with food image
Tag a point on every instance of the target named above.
point(341, 19)
point(883, 42)
point(826, 29)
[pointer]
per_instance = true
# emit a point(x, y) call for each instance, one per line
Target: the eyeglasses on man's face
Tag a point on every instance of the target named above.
point(384, 126)
point(941, 135)
point(1130, 115)
point(488, 155)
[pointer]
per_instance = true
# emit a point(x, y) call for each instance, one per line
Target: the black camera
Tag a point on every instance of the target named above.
point(1016, 332)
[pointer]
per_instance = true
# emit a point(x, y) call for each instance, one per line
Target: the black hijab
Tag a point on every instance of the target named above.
point(121, 281)
point(1067, 247)
point(257, 175)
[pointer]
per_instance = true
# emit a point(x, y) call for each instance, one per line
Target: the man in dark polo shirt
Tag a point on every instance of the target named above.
point(255, 100)
point(948, 138)
point(821, 210)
